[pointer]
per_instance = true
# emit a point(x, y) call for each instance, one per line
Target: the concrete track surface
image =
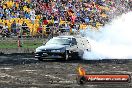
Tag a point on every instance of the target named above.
point(24, 71)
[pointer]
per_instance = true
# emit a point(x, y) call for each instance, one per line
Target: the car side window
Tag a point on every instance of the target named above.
point(74, 42)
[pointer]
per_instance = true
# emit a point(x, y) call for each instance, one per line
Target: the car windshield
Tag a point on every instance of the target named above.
point(60, 41)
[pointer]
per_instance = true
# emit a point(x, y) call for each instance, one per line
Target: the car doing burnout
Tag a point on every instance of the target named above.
point(65, 47)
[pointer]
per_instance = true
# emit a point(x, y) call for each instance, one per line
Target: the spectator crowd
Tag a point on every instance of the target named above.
point(38, 17)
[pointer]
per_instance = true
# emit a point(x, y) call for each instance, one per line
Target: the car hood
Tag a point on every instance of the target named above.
point(51, 46)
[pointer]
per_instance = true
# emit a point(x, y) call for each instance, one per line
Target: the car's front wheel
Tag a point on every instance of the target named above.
point(66, 57)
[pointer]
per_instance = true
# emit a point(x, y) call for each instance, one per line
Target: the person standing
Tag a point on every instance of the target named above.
point(13, 27)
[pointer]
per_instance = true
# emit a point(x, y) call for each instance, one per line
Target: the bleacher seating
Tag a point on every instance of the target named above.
point(95, 12)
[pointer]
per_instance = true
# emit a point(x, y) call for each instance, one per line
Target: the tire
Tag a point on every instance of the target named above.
point(80, 55)
point(40, 59)
point(75, 56)
point(66, 58)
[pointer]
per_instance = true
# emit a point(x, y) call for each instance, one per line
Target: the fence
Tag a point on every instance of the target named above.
point(46, 32)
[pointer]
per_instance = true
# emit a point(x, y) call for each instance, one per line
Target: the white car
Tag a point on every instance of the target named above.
point(62, 47)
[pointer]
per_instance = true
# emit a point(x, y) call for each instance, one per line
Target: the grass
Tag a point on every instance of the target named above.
point(14, 45)
point(25, 44)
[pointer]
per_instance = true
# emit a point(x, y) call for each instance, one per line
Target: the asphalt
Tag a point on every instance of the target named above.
point(24, 71)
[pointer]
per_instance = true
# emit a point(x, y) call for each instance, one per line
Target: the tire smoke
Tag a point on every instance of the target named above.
point(113, 41)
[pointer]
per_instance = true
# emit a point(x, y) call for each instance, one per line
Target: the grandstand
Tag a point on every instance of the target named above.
point(40, 15)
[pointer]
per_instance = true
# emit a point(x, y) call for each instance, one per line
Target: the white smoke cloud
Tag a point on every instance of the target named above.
point(113, 41)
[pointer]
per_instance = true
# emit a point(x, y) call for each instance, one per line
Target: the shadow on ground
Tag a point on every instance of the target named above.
point(28, 58)
point(17, 59)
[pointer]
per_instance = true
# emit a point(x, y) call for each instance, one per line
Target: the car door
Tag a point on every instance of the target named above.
point(73, 46)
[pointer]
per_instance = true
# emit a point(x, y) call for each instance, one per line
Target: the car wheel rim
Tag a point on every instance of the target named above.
point(67, 56)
